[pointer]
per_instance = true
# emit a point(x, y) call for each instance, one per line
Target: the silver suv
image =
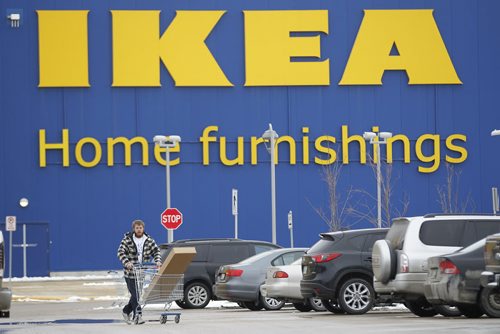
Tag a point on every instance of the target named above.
point(5, 293)
point(400, 260)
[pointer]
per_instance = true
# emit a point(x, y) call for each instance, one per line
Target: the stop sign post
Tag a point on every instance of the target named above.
point(171, 219)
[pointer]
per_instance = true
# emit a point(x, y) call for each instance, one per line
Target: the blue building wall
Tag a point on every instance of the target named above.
point(88, 209)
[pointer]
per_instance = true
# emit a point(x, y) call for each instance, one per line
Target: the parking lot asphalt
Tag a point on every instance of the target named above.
point(87, 306)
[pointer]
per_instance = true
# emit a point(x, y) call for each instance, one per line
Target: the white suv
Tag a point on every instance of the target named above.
point(400, 261)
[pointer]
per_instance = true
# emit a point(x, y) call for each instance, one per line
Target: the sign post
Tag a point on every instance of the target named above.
point(235, 211)
point(10, 225)
point(171, 219)
point(290, 227)
point(494, 195)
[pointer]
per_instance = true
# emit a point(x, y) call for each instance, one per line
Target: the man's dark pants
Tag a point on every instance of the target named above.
point(132, 305)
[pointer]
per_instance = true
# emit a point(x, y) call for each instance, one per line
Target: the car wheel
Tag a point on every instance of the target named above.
point(316, 304)
point(181, 304)
point(471, 311)
point(271, 304)
point(490, 302)
point(240, 304)
point(332, 306)
point(197, 295)
point(302, 307)
point(383, 261)
point(356, 296)
point(252, 306)
point(421, 307)
point(448, 310)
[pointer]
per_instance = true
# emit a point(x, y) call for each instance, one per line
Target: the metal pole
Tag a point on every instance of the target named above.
point(24, 252)
point(236, 226)
point(379, 190)
point(273, 186)
point(290, 227)
point(10, 255)
point(167, 169)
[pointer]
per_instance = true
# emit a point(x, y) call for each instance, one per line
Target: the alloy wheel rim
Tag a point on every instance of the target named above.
point(272, 302)
point(357, 296)
point(197, 295)
point(494, 298)
point(317, 302)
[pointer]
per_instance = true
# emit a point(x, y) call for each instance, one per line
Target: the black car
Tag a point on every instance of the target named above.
point(338, 270)
point(455, 279)
point(210, 255)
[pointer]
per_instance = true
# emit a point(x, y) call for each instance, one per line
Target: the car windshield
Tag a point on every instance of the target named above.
point(478, 244)
point(257, 257)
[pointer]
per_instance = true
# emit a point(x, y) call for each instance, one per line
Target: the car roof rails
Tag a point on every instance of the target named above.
point(432, 215)
point(204, 239)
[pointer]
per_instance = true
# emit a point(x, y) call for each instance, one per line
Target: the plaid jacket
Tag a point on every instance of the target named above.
point(127, 252)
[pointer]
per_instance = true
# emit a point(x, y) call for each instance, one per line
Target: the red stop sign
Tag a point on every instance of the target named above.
point(171, 219)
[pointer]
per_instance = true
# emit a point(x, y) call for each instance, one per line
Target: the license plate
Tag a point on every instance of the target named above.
point(434, 273)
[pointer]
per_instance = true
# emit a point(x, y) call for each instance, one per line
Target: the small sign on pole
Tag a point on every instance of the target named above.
point(234, 200)
point(10, 223)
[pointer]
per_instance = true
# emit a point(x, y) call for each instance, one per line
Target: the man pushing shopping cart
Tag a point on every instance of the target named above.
point(136, 248)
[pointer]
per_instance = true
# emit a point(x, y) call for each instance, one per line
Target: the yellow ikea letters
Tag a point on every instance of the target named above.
point(414, 33)
point(269, 48)
point(272, 40)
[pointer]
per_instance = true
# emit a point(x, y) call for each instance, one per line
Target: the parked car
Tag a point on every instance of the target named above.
point(338, 270)
point(5, 293)
point(283, 283)
point(241, 282)
point(210, 255)
point(455, 279)
point(400, 261)
point(490, 278)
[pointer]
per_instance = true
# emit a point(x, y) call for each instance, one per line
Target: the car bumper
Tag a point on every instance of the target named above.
point(236, 292)
point(402, 284)
point(450, 291)
point(490, 279)
point(5, 299)
point(315, 289)
point(281, 291)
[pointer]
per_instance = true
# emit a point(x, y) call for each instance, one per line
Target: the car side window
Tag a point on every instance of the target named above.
point(370, 241)
point(201, 253)
point(481, 229)
point(278, 261)
point(355, 243)
point(230, 253)
point(442, 232)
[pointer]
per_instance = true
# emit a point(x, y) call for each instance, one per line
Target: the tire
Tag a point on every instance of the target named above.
point(332, 306)
point(471, 311)
point(421, 307)
point(490, 301)
point(383, 261)
point(271, 304)
point(240, 304)
point(252, 306)
point(448, 311)
point(181, 304)
point(356, 296)
point(197, 295)
point(302, 307)
point(316, 304)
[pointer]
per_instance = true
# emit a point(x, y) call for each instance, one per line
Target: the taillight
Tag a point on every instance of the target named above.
point(234, 272)
point(404, 263)
point(325, 257)
point(448, 267)
point(280, 274)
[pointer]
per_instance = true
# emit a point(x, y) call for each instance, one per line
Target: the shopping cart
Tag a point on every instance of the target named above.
point(155, 288)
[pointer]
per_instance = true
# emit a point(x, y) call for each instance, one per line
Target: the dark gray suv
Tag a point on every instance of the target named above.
point(338, 270)
point(210, 255)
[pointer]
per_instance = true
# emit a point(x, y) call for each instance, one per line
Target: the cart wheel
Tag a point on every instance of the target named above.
point(163, 319)
point(177, 319)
